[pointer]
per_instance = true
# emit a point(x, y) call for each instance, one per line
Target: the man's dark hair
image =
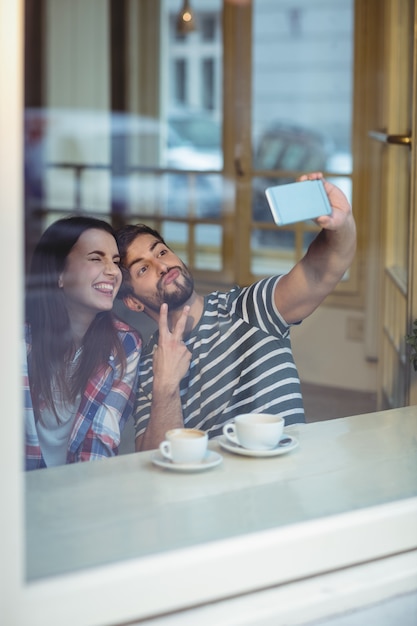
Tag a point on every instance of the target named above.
point(124, 237)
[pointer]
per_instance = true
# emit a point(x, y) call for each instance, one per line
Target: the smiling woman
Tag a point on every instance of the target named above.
point(81, 371)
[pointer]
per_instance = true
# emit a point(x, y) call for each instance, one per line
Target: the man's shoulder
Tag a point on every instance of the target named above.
point(227, 298)
point(221, 298)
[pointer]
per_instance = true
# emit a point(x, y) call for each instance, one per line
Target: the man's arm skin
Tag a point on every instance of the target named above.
point(300, 292)
point(171, 361)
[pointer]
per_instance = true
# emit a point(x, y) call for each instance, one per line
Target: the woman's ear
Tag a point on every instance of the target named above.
point(132, 303)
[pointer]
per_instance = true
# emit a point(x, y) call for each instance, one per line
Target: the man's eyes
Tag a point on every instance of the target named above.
point(142, 269)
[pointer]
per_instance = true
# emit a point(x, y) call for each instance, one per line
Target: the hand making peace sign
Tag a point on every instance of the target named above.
point(171, 359)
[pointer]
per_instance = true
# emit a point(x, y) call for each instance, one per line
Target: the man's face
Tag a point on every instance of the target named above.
point(157, 275)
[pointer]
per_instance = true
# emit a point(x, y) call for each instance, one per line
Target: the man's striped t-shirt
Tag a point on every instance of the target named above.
point(241, 362)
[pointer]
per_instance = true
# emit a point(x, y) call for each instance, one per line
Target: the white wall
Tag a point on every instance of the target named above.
point(325, 355)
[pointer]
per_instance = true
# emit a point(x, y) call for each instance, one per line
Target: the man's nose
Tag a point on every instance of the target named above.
point(162, 267)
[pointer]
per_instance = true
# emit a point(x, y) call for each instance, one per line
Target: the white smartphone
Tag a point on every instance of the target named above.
point(297, 202)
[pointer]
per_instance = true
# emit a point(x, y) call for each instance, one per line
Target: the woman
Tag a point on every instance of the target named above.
point(81, 372)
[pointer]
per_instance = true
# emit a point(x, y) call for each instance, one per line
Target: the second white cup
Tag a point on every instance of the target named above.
point(255, 431)
point(184, 445)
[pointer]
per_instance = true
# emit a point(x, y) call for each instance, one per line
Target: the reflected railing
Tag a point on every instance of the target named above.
point(186, 206)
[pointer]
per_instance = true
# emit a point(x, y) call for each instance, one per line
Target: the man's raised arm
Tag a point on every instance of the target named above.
point(315, 276)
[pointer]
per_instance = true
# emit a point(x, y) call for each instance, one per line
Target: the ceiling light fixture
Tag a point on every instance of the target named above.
point(185, 20)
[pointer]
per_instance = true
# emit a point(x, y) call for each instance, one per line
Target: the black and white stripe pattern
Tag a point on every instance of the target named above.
point(241, 363)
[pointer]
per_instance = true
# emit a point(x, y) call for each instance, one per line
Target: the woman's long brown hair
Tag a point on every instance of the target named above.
point(46, 313)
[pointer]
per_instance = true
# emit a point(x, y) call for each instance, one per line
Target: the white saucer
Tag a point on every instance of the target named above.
point(210, 460)
point(279, 449)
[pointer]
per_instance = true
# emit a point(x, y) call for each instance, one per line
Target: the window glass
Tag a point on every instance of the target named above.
point(302, 76)
point(180, 81)
point(176, 236)
point(209, 27)
point(208, 247)
point(301, 99)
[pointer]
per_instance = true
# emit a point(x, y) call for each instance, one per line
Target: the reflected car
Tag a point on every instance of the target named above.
point(288, 148)
point(199, 149)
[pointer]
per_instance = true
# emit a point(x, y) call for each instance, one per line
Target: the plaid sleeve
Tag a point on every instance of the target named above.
point(106, 406)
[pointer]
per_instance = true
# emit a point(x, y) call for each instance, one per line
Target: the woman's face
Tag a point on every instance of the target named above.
point(92, 277)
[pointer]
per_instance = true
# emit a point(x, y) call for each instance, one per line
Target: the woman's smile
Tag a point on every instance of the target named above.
point(105, 288)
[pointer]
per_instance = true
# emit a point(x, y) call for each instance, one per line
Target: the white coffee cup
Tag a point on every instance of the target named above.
point(184, 445)
point(255, 431)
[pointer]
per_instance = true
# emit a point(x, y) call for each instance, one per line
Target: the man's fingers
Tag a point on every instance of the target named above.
point(178, 331)
point(163, 319)
point(310, 176)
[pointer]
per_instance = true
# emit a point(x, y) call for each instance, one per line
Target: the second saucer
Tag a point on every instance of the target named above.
point(283, 447)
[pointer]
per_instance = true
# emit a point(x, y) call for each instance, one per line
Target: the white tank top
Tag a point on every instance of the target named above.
point(54, 437)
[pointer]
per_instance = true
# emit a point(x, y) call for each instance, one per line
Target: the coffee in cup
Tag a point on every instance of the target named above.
point(255, 431)
point(184, 445)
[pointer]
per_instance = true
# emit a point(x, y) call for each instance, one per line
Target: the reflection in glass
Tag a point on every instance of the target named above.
point(344, 183)
point(302, 68)
point(308, 238)
point(193, 195)
point(208, 247)
point(138, 154)
point(273, 251)
point(301, 109)
point(176, 236)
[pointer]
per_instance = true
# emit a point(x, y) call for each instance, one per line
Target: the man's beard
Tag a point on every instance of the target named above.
point(174, 299)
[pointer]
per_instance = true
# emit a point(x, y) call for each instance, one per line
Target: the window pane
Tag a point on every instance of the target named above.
point(273, 252)
point(208, 84)
point(301, 108)
point(260, 208)
point(193, 195)
point(208, 239)
point(209, 27)
point(180, 81)
point(199, 54)
point(176, 237)
point(302, 75)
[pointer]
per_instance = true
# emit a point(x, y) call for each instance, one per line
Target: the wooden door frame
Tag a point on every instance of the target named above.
point(412, 285)
point(379, 77)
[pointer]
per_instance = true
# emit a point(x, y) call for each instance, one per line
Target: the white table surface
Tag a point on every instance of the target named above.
point(90, 514)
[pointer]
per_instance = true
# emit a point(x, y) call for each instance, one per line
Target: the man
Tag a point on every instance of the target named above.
point(226, 353)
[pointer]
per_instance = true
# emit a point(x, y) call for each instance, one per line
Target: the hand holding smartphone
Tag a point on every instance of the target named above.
point(297, 202)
